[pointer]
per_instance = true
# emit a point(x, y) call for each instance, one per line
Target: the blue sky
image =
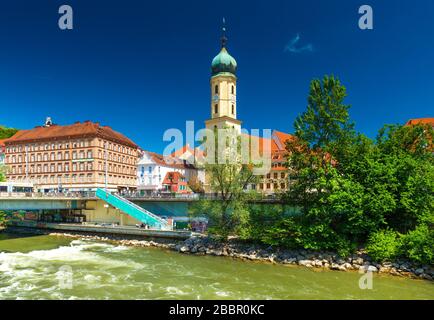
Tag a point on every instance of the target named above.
point(143, 66)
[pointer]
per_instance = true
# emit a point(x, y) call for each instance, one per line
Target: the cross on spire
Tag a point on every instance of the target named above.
point(224, 40)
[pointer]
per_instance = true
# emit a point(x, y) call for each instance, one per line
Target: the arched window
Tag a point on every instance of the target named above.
point(233, 89)
point(233, 109)
point(216, 89)
point(216, 108)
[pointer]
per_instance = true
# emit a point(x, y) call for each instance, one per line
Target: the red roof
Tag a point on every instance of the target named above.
point(260, 142)
point(173, 177)
point(413, 122)
point(187, 148)
point(57, 132)
point(169, 161)
point(2, 142)
point(282, 137)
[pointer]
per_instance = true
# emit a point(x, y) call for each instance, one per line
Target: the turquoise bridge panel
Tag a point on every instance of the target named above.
point(132, 209)
point(166, 208)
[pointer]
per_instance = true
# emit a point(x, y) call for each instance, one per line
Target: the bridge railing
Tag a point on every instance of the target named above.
point(129, 195)
point(78, 195)
point(192, 196)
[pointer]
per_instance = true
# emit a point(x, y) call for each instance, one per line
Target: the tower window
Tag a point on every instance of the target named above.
point(216, 108)
point(233, 109)
point(216, 89)
point(233, 89)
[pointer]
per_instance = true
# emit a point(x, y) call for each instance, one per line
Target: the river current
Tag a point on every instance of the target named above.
point(47, 267)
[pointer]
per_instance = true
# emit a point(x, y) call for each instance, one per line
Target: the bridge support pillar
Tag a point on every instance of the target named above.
point(123, 219)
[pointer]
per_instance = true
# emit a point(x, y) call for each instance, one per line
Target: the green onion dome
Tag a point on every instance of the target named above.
point(223, 62)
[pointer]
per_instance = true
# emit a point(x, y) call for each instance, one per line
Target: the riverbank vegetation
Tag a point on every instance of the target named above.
point(351, 191)
point(2, 173)
point(7, 132)
point(4, 134)
point(2, 219)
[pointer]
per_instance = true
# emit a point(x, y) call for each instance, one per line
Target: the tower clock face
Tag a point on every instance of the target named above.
point(215, 97)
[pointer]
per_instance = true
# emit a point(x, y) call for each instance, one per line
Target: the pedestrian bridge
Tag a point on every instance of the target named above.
point(160, 206)
point(97, 209)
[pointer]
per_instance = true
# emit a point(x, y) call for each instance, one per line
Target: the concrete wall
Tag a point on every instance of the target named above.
point(96, 212)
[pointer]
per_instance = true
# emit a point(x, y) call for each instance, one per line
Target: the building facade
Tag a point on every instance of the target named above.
point(277, 180)
point(2, 151)
point(78, 157)
point(152, 169)
point(175, 182)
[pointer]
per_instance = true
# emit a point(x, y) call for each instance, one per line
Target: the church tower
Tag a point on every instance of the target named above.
point(223, 90)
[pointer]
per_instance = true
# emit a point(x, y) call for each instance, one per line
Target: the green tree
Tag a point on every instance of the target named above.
point(229, 179)
point(330, 204)
point(4, 134)
point(7, 132)
point(196, 185)
point(2, 173)
point(352, 191)
point(350, 187)
point(325, 126)
point(409, 151)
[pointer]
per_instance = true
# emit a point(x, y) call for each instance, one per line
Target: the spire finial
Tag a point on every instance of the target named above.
point(224, 39)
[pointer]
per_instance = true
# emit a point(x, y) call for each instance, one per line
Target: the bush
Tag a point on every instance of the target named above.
point(418, 245)
point(285, 233)
point(2, 218)
point(383, 245)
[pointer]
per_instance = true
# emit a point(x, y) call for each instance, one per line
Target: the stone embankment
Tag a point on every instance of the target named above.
point(359, 261)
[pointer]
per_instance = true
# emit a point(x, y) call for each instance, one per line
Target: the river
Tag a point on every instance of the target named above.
point(48, 267)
